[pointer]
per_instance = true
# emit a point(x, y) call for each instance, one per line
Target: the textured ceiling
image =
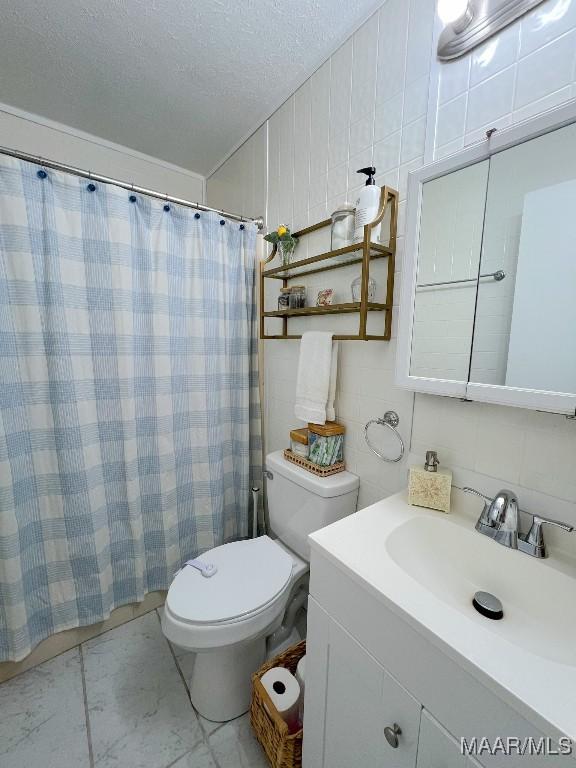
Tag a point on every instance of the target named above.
point(182, 80)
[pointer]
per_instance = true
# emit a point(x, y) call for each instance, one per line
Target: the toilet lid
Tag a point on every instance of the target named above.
point(250, 574)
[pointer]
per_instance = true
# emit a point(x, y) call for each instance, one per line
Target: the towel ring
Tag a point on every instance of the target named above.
point(391, 421)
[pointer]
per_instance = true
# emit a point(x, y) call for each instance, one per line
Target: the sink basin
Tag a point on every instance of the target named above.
point(452, 562)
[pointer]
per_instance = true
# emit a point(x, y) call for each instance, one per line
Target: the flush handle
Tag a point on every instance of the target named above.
point(392, 734)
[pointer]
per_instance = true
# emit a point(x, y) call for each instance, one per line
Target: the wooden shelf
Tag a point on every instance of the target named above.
point(358, 253)
point(298, 268)
point(332, 309)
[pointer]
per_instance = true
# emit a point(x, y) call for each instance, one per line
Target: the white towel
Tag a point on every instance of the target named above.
point(316, 382)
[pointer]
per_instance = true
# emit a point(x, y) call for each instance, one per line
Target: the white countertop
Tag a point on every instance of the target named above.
point(541, 689)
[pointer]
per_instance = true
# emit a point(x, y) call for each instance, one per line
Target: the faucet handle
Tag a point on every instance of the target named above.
point(535, 535)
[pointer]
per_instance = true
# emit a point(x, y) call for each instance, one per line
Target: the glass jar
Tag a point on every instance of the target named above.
point(284, 299)
point(297, 297)
point(342, 230)
point(299, 442)
point(356, 289)
point(286, 251)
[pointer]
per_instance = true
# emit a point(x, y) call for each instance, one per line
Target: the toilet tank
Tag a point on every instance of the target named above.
point(300, 503)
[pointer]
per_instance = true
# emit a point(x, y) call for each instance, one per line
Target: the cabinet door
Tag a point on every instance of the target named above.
point(436, 747)
point(362, 699)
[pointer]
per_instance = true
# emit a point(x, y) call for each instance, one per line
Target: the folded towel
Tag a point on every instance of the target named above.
point(316, 381)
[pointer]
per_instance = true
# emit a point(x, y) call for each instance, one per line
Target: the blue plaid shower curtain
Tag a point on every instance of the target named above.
point(129, 412)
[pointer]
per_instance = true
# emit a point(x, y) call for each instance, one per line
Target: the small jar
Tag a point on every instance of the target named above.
point(356, 289)
point(342, 230)
point(299, 442)
point(284, 299)
point(297, 297)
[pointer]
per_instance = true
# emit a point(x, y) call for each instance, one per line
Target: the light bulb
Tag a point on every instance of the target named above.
point(452, 10)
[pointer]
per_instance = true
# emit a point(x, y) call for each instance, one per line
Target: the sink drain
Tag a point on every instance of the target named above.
point(488, 605)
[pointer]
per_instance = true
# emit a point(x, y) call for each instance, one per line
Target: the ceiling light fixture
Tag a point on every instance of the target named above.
point(467, 23)
point(458, 13)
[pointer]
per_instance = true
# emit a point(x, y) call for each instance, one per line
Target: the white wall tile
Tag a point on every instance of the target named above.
point(361, 133)
point(495, 55)
point(380, 75)
point(319, 119)
point(451, 120)
point(365, 60)
point(388, 118)
point(413, 138)
point(546, 70)
point(550, 101)
point(490, 100)
point(387, 153)
point(454, 78)
point(393, 33)
point(420, 28)
point(337, 181)
point(416, 99)
point(545, 23)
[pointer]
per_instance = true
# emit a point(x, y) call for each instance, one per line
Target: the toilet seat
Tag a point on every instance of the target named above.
point(245, 596)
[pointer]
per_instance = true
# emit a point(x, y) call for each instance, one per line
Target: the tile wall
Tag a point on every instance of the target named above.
point(383, 98)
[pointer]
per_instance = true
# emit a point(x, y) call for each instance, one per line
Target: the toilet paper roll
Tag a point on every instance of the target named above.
point(284, 691)
point(301, 672)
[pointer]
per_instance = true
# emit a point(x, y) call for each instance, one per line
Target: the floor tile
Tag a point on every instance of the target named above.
point(139, 711)
point(185, 661)
point(42, 718)
point(234, 745)
point(201, 757)
point(209, 726)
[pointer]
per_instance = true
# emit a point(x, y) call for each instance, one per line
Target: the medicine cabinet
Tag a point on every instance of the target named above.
point(488, 306)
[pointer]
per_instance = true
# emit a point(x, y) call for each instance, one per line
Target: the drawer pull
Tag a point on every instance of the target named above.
point(392, 735)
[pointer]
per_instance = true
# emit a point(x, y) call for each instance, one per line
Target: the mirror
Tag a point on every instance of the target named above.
point(452, 214)
point(524, 332)
point(488, 307)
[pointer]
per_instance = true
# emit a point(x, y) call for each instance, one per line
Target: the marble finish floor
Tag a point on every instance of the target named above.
point(119, 700)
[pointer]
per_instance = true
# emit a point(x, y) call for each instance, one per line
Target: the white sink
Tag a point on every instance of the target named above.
point(453, 562)
point(427, 566)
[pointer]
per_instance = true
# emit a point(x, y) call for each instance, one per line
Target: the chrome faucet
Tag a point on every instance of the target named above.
point(500, 520)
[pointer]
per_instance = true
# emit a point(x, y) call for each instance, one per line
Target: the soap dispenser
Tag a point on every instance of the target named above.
point(367, 207)
point(429, 486)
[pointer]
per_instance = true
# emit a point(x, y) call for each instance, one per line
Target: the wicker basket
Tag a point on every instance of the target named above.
point(300, 461)
point(283, 749)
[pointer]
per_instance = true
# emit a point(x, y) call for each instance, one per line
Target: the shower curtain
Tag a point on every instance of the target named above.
point(129, 406)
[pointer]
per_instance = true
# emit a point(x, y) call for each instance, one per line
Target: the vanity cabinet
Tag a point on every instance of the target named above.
point(369, 668)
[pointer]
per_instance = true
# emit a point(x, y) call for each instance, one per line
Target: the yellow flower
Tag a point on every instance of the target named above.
point(281, 230)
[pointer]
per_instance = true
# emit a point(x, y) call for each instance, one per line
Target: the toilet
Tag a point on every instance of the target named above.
point(226, 619)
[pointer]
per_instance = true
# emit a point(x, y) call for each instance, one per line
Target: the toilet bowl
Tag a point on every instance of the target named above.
point(226, 619)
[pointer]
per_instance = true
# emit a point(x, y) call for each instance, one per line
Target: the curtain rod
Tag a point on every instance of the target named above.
point(259, 221)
